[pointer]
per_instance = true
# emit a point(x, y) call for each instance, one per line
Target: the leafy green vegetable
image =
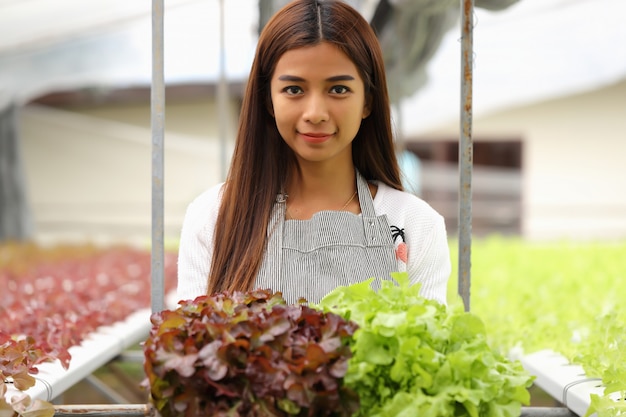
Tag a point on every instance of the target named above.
point(604, 406)
point(249, 354)
point(413, 356)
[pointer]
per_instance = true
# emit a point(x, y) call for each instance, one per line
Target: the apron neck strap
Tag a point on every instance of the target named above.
point(365, 196)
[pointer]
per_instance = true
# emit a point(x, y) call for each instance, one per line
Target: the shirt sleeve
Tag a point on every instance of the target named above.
point(424, 232)
point(195, 250)
point(429, 261)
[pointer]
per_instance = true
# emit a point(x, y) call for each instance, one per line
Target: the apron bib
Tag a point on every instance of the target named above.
point(309, 258)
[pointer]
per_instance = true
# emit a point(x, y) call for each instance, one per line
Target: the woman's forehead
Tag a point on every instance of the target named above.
point(321, 60)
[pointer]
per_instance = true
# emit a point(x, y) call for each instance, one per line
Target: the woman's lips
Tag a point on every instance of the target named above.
point(312, 137)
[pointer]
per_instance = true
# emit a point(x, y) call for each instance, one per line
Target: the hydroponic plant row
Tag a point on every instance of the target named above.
point(53, 298)
point(561, 296)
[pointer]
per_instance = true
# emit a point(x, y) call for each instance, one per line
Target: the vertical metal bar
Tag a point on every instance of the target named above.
point(465, 153)
point(222, 99)
point(157, 95)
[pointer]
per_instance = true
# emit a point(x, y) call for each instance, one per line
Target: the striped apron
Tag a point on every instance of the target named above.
point(309, 258)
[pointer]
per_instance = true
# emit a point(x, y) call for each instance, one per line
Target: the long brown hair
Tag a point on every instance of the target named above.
point(261, 159)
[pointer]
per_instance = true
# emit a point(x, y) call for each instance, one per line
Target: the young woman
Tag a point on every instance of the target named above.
point(313, 198)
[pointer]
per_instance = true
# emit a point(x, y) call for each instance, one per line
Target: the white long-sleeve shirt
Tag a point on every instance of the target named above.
point(419, 231)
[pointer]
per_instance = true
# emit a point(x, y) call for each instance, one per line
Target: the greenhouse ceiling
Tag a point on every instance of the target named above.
point(530, 50)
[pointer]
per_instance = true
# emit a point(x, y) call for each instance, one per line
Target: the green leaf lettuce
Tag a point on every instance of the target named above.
point(413, 356)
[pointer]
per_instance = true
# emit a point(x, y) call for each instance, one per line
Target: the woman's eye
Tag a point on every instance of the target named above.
point(339, 89)
point(292, 90)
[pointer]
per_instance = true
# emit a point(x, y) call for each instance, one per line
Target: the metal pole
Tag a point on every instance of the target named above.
point(146, 410)
point(222, 99)
point(546, 412)
point(101, 410)
point(157, 123)
point(465, 154)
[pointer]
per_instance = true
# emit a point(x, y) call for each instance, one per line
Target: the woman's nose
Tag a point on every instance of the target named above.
point(316, 110)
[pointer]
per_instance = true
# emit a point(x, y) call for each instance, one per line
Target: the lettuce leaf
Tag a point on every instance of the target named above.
point(413, 356)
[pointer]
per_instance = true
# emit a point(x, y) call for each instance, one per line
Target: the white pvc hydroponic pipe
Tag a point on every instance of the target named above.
point(96, 350)
point(564, 381)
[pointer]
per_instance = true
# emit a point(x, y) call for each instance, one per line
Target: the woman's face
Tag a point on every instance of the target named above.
point(318, 101)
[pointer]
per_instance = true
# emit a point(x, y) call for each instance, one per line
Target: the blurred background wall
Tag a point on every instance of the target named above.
point(89, 177)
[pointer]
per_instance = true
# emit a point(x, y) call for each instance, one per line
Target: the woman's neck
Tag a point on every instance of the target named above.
point(326, 180)
point(313, 189)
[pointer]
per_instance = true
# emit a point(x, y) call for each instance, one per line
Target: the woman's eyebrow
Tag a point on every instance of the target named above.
point(341, 78)
point(290, 78)
point(334, 78)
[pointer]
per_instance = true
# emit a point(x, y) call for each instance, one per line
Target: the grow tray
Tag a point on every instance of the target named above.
point(95, 350)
